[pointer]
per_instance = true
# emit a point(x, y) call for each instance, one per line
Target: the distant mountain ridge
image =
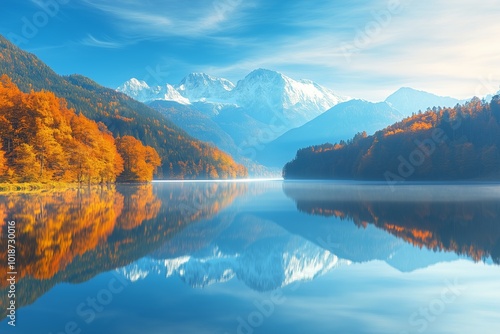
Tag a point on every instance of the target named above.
point(408, 100)
point(200, 87)
point(346, 119)
point(264, 92)
point(460, 143)
point(263, 95)
point(341, 122)
point(237, 117)
point(299, 108)
point(266, 117)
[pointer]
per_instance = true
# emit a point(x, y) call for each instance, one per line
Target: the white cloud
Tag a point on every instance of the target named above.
point(94, 42)
point(163, 19)
point(446, 47)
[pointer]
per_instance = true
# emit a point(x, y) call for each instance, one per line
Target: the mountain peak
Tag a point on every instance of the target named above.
point(134, 84)
point(409, 100)
point(136, 89)
point(298, 101)
point(263, 93)
point(171, 94)
point(263, 74)
point(201, 86)
point(141, 91)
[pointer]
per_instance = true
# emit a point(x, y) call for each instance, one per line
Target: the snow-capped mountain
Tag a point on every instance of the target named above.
point(172, 94)
point(297, 101)
point(141, 91)
point(137, 89)
point(262, 267)
point(203, 87)
point(263, 94)
point(259, 108)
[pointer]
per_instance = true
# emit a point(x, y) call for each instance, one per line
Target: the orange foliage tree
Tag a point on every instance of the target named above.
point(140, 162)
point(42, 140)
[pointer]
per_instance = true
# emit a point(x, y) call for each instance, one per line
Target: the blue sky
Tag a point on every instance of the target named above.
point(364, 49)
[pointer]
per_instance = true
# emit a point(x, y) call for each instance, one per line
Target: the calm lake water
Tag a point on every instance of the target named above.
point(255, 257)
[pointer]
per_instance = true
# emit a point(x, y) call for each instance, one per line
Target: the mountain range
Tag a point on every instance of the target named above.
point(264, 94)
point(344, 120)
point(266, 117)
point(263, 119)
point(242, 116)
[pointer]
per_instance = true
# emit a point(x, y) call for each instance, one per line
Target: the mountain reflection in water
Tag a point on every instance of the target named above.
point(266, 235)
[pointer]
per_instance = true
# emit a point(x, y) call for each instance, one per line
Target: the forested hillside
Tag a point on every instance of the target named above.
point(42, 140)
point(441, 144)
point(182, 156)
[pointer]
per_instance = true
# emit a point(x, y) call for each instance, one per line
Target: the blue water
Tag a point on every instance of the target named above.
point(261, 257)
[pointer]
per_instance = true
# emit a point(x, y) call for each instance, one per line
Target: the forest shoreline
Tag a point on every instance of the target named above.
point(32, 187)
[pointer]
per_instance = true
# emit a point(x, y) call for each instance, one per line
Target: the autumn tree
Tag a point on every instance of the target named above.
point(139, 161)
point(45, 141)
point(441, 144)
point(26, 163)
point(495, 107)
point(3, 164)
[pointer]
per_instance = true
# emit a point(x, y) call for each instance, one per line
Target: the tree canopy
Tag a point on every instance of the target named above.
point(43, 140)
point(440, 144)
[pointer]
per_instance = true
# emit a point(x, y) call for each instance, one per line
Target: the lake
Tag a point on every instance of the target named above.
point(254, 257)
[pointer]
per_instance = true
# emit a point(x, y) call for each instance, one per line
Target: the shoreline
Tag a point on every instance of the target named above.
point(32, 187)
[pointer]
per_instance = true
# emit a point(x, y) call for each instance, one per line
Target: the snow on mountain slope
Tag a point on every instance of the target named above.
point(136, 89)
point(262, 267)
point(203, 87)
point(141, 91)
point(268, 93)
point(171, 94)
point(264, 94)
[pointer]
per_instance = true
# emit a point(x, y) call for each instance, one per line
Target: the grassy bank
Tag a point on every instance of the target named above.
point(35, 186)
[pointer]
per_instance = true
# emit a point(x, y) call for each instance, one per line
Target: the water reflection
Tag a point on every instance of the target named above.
point(271, 247)
point(203, 255)
point(464, 219)
point(73, 235)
